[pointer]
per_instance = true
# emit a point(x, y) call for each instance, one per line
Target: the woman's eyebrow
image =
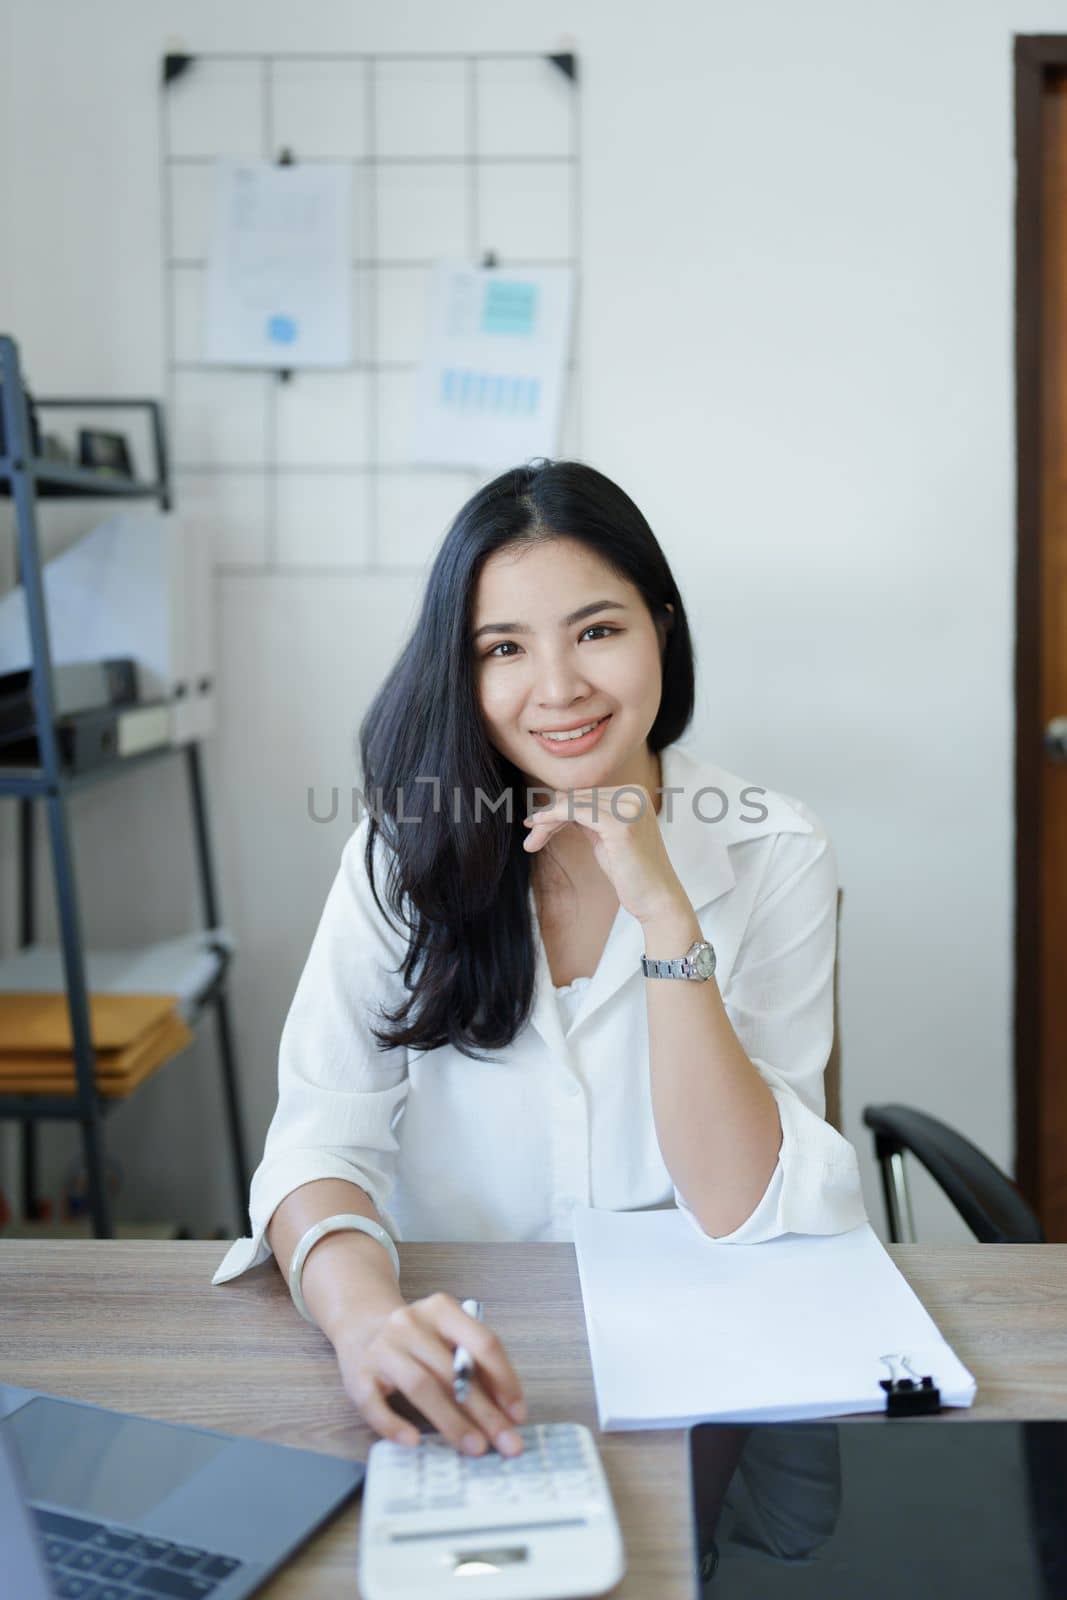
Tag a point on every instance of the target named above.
point(565, 622)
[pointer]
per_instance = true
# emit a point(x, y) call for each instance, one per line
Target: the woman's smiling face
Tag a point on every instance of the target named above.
point(539, 665)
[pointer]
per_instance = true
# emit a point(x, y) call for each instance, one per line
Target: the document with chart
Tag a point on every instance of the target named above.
point(279, 279)
point(492, 380)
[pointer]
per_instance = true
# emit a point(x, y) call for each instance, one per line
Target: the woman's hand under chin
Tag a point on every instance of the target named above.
point(627, 844)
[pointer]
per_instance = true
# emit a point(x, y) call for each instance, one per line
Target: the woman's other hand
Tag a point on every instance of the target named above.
point(409, 1351)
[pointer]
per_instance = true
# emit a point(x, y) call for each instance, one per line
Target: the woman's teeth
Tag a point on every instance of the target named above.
point(575, 733)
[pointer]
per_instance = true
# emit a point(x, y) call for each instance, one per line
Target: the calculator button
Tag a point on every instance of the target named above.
point(572, 1483)
point(536, 1489)
point(486, 1493)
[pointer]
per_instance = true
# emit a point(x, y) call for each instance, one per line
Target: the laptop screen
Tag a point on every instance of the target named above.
point(922, 1508)
point(101, 1462)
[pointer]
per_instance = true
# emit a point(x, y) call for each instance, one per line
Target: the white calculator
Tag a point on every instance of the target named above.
point(537, 1526)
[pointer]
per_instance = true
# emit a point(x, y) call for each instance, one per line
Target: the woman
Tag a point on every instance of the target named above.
point(476, 1044)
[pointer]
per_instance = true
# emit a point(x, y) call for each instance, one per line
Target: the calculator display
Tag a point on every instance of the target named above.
point(476, 1563)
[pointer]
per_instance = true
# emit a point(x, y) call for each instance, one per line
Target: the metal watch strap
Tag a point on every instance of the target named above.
point(665, 969)
point(701, 950)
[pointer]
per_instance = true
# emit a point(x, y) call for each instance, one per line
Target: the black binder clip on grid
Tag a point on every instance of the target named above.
point(907, 1393)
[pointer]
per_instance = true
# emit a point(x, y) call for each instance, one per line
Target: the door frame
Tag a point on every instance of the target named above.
point(1037, 56)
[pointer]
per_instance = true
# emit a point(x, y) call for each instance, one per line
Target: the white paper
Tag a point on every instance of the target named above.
point(491, 383)
point(185, 967)
point(682, 1330)
point(279, 282)
point(129, 587)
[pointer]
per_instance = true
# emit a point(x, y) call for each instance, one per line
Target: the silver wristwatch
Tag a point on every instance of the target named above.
point(698, 964)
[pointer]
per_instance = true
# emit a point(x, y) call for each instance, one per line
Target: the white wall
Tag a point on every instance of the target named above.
point(796, 343)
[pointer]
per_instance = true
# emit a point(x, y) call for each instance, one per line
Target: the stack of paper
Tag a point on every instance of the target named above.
point(184, 967)
point(132, 1036)
point(683, 1330)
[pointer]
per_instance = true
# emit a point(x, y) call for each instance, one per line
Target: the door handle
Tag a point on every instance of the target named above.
point(1056, 739)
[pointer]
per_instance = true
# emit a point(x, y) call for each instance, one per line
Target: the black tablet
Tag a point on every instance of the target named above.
point(924, 1509)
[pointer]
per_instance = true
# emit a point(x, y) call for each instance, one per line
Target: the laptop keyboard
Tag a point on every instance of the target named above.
point(92, 1561)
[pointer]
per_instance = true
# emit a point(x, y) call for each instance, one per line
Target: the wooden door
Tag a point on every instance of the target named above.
point(1041, 630)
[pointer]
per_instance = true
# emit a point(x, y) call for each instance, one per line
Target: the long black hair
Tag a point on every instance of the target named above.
point(459, 882)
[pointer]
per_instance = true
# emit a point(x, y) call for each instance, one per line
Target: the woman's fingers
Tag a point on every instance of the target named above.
point(411, 1352)
point(423, 1388)
point(380, 1415)
point(542, 825)
point(492, 1421)
point(420, 1338)
point(498, 1375)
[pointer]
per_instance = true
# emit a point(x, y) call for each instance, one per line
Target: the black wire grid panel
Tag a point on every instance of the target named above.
point(267, 478)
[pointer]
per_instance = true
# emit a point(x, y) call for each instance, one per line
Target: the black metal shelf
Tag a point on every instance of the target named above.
point(28, 782)
point(26, 479)
point(53, 480)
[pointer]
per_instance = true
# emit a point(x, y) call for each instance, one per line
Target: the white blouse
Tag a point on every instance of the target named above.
point(450, 1148)
point(569, 996)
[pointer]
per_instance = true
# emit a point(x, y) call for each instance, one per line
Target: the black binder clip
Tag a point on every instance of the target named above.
point(908, 1394)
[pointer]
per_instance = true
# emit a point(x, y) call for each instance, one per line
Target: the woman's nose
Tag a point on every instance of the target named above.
point(559, 682)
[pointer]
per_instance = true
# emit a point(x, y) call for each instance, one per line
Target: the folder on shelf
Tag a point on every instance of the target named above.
point(132, 1035)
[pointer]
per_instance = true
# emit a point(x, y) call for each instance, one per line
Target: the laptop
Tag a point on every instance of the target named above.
point(931, 1509)
point(100, 1505)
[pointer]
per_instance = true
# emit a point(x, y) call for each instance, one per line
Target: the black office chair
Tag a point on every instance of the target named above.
point(986, 1198)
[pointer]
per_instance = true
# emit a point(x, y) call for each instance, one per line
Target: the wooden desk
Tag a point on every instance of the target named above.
point(138, 1326)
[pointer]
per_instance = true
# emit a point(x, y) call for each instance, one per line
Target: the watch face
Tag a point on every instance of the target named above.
point(704, 962)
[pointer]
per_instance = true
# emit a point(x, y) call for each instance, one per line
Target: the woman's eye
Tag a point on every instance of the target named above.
point(596, 627)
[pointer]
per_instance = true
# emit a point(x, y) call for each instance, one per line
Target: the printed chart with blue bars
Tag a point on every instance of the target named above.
point(487, 391)
point(495, 368)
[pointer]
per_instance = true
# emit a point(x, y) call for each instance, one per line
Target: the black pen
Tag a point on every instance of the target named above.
point(463, 1361)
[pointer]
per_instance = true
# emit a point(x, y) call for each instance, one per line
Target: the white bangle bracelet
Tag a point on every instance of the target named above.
point(319, 1230)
